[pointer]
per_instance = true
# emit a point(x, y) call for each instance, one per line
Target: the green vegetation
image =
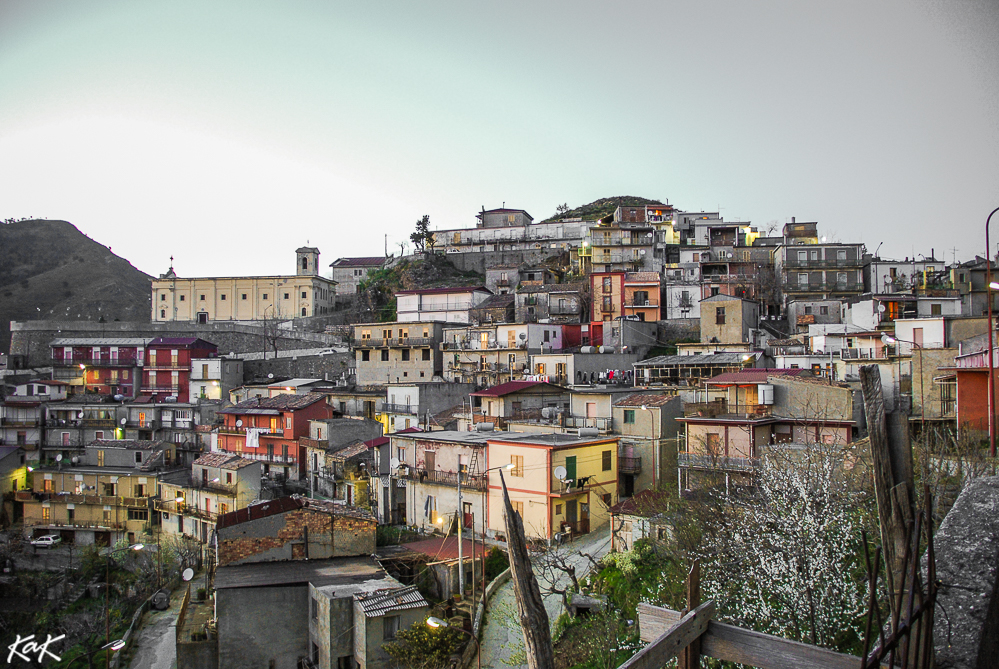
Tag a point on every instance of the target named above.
point(599, 208)
point(425, 647)
point(496, 563)
point(430, 271)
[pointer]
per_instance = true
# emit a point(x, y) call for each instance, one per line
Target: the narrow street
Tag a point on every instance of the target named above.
point(502, 639)
point(155, 644)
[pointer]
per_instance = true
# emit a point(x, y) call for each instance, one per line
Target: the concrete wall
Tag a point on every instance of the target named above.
point(369, 636)
point(32, 338)
point(282, 537)
point(329, 366)
point(260, 625)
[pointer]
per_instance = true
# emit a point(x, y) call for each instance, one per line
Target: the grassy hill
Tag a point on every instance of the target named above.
point(418, 272)
point(602, 207)
point(50, 270)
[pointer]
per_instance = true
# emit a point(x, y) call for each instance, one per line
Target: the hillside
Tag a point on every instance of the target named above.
point(412, 272)
point(50, 270)
point(602, 207)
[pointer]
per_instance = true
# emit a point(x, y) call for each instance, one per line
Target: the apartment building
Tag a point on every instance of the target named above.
point(349, 273)
point(102, 365)
point(551, 303)
point(213, 378)
point(398, 352)
point(449, 305)
point(810, 271)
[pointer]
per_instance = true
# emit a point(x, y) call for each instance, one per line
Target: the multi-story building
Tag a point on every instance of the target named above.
point(449, 305)
point(622, 246)
point(503, 279)
point(103, 365)
point(559, 483)
point(728, 320)
point(348, 273)
point(607, 290)
point(214, 378)
point(646, 423)
point(588, 367)
point(105, 496)
point(167, 372)
point(23, 414)
point(552, 303)
point(971, 281)
point(642, 296)
point(399, 352)
point(494, 309)
point(251, 298)
point(191, 500)
point(488, 355)
point(811, 271)
point(514, 400)
point(268, 429)
point(410, 404)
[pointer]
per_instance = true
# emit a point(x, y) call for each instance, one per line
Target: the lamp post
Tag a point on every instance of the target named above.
point(115, 646)
point(107, 592)
point(507, 467)
point(988, 295)
point(437, 623)
point(891, 339)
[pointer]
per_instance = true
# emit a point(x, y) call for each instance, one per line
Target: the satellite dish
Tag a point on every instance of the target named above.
point(188, 574)
point(523, 336)
point(119, 397)
point(124, 420)
point(59, 457)
point(239, 423)
point(881, 308)
point(75, 460)
point(79, 415)
point(560, 473)
point(270, 376)
point(394, 462)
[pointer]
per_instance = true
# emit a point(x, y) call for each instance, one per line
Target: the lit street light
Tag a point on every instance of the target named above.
point(438, 623)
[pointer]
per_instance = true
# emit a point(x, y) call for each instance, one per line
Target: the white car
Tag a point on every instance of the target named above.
point(47, 541)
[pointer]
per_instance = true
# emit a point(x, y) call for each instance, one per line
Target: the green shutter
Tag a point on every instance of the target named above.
point(570, 467)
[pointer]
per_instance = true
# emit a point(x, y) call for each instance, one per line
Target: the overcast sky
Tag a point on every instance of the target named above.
point(229, 134)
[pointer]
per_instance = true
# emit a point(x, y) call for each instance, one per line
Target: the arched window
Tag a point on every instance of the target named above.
point(305, 311)
point(305, 263)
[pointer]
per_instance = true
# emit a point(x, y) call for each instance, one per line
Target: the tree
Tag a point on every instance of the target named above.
point(562, 209)
point(786, 558)
point(423, 238)
point(425, 647)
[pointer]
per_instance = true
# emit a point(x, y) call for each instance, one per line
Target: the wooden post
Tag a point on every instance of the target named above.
point(530, 606)
point(690, 658)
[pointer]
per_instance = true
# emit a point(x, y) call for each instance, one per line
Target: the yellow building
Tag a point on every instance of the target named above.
point(250, 298)
point(560, 483)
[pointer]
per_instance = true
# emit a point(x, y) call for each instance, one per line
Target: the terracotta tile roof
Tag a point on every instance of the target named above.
point(180, 341)
point(645, 399)
point(511, 387)
point(496, 302)
point(355, 449)
point(283, 402)
point(784, 342)
point(131, 444)
point(444, 548)
point(647, 503)
point(224, 461)
point(757, 375)
point(283, 504)
point(551, 288)
point(641, 277)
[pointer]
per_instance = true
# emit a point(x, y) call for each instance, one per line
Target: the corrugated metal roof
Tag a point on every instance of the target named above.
point(381, 602)
point(442, 291)
point(376, 261)
point(99, 341)
point(759, 375)
point(512, 387)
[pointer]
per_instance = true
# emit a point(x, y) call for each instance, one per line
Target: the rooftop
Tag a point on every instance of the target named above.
point(131, 444)
point(283, 402)
point(284, 504)
point(511, 387)
point(755, 376)
point(101, 341)
point(380, 602)
point(346, 572)
point(445, 548)
point(224, 461)
point(374, 261)
point(442, 291)
point(451, 436)
point(189, 342)
point(645, 399)
point(706, 359)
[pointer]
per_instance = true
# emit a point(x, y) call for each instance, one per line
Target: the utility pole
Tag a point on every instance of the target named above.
point(461, 561)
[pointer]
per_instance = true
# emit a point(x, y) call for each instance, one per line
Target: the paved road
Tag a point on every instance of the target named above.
point(502, 638)
point(155, 646)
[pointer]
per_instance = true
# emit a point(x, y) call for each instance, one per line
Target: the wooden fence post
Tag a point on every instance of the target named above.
point(690, 658)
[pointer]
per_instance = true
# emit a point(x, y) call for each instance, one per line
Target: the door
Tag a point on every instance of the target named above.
point(466, 512)
point(714, 443)
point(202, 317)
point(591, 414)
point(917, 337)
point(570, 512)
point(430, 458)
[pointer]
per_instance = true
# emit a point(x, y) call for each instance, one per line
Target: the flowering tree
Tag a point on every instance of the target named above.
point(786, 558)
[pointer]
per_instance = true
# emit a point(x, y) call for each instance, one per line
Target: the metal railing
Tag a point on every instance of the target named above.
point(400, 408)
point(472, 481)
point(823, 263)
point(863, 354)
point(101, 361)
point(811, 287)
point(583, 421)
point(575, 527)
point(410, 341)
point(216, 486)
point(629, 465)
point(641, 303)
point(20, 422)
point(76, 525)
point(726, 410)
point(702, 461)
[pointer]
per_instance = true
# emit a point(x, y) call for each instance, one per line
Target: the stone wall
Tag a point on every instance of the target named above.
point(282, 537)
point(257, 626)
point(329, 367)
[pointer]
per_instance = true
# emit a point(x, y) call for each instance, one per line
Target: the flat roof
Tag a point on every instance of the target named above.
point(352, 571)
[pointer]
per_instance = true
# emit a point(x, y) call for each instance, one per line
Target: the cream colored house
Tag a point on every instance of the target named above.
point(249, 298)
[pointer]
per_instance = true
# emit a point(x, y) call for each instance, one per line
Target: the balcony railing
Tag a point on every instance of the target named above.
point(472, 481)
point(726, 410)
point(96, 361)
point(629, 465)
point(20, 422)
point(72, 498)
point(400, 408)
point(76, 524)
point(820, 286)
point(368, 342)
point(583, 421)
point(575, 527)
point(863, 354)
point(161, 389)
point(834, 262)
point(411, 341)
point(560, 310)
point(701, 461)
point(216, 486)
point(98, 422)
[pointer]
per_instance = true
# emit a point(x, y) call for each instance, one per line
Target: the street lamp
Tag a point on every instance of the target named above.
point(114, 646)
point(890, 340)
point(988, 295)
point(506, 467)
point(107, 592)
point(438, 623)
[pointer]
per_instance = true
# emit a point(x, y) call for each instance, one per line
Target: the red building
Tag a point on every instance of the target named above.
point(167, 371)
point(268, 429)
point(967, 384)
point(104, 365)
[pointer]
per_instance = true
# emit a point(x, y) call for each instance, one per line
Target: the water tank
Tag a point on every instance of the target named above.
point(766, 394)
point(484, 427)
point(586, 349)
point(605, 349)
point(589, 432)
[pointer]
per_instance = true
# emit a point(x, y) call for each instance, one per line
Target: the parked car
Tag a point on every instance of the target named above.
point(47, 541)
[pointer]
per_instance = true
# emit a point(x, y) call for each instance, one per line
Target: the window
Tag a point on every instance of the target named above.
point(100, 458)
point(390, 627)
point(405, 355)
point(558, 509)
point(313, 608)
point(385, 355)
point(808, 309)
point(265, 296)
point(163, 297)
point(518, 465)
point(841, 278)
point(608, 304)
point(46, 514)
point(162, 313)
point(138, 458)
point(365, 356)
point(183, 298)
point(608, 499)
point(841, 255)
point(719, 315)
point(824, 311)
point(303, 294)
point(228, 478)
point(518, 507)
point(606, 461)
point(222, 297)
point(305, 311)
point(140, 490)
point(935, 310)
point(243, 296)
point(803, 279)
point(138, 514)
point(426, 354)
point(802, 256)
point(629, 416)
point(607, 284)
point(202, 298)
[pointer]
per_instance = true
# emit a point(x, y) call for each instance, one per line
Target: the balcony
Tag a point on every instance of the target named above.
point(20, 422)
point(217, 486)
point(410, 341)
point(629, 465)
point(76, 525)
point(602, 424)
point(823, 286)
point(412, 409)
point(96, 361)
point(863, 354)
point(822, 264)
point(470, 481)
point(575, 527)
point(367, 342)
point(716, 462)
point(728, 278)
point(98, 422)
point(563, 310)
point(726, 410)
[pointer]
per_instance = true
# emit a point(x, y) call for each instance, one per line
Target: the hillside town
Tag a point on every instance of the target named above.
point(299, 468)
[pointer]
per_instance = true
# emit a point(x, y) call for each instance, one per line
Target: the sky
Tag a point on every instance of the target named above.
point(228, 134)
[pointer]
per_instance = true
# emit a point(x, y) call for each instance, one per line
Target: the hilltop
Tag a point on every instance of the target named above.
point(50, 270)
point(432, 270)
point(601, 208)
